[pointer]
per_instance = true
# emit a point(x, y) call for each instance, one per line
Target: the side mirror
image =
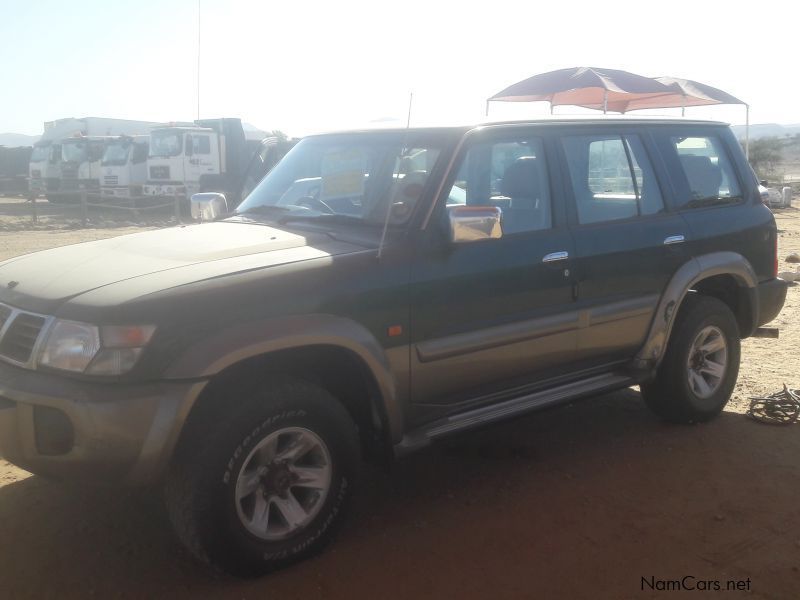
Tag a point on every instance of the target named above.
point(474, 223)
point(764, 182)
point(208, 206)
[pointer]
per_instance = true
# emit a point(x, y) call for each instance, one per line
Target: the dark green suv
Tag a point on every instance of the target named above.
point(377, 291)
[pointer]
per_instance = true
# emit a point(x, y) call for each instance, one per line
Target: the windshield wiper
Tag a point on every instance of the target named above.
point(264, 209)
point(322, 218)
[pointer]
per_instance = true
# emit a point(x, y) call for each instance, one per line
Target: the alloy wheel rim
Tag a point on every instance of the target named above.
point(707, 362)
point(283, 483)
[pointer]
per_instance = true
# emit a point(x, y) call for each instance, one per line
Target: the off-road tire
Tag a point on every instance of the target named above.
point(200, 487)
point(670, 395)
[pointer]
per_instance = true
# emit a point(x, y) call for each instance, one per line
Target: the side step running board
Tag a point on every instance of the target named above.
point(423, 436)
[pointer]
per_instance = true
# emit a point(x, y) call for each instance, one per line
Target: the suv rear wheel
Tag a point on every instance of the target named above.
point(701, 364)
point(268, 485)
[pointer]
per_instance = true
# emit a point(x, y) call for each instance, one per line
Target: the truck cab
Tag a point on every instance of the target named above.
point(80, 164)
point(124, 166)
point(44, 170)
point(178, 157)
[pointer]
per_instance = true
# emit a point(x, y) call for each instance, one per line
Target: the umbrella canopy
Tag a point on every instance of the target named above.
point(590, 87)
point(685, 93)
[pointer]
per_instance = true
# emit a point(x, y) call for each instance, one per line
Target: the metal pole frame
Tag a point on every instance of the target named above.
point(747, 132)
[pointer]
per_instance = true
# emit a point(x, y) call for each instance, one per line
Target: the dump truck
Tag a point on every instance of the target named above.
point(205, 155)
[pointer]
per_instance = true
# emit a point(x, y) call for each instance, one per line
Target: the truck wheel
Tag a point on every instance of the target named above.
point(699, 370)
point(267, 485)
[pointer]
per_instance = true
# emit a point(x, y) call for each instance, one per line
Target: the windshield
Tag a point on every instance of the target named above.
point(73, 152)
point(166, 143)
point(117, 153)
point(40, 153)
point(357, 176)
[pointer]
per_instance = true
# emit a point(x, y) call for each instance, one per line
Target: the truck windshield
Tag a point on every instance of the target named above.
point(116, 154)
point(73, 152)
point(353, 176)
point(166, 143)
point(40, 153)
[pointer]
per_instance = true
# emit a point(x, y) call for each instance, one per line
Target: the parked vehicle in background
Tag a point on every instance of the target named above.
point(14, 164)
point(184, 153)
point(123, 168)
point(376, 292)
point(45, 162)
point(82, 153)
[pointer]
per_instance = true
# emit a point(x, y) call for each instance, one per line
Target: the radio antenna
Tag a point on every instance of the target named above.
point(396, 176)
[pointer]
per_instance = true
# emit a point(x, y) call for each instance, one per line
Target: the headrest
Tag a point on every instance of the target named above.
point(521, 179)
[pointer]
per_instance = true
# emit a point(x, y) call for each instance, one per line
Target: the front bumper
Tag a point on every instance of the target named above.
point(116, 433)
point(771, 296)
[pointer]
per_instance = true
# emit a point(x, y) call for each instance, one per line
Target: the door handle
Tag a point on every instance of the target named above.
point(674, 239)
point(555, 256)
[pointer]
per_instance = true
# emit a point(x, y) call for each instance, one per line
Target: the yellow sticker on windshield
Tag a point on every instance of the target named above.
point(343, 174)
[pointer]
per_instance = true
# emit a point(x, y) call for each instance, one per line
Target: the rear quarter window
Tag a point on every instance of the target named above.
point(709, 173)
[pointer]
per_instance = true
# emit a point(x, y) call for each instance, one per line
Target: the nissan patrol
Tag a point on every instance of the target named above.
point(378, 291)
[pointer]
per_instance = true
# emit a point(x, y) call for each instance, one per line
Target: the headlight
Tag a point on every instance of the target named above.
point(84, 348)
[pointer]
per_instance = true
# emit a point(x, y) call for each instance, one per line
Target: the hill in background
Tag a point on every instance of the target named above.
point(17, 139)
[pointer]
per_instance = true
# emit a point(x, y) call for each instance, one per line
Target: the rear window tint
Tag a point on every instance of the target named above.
point(708, 172)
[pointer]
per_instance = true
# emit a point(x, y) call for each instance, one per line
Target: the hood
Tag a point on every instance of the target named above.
point(43, 280)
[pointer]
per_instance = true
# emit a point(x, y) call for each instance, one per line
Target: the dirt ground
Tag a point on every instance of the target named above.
point(583, 501)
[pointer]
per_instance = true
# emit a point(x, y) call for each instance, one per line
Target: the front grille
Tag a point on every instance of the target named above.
point(111, 180)
point(21, 333)
point(159, 172)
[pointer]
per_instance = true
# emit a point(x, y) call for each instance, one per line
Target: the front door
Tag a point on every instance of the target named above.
point(201, 158)
point(491, 314)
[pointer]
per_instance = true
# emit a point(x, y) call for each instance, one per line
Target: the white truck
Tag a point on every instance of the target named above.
point(44, 169)
point(206, 155)
point(123, 168)
point(82, 153)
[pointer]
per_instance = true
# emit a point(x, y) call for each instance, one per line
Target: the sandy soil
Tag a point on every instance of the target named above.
point(582, 501)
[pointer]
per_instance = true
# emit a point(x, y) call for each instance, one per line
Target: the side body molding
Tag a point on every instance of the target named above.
point(696, 269)
point(216, 353)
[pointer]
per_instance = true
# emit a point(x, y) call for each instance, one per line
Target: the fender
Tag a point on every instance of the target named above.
point(694, 270)
point(218, 352)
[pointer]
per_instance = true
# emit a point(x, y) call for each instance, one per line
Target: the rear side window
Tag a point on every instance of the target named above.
point(708, 172)
point(612, 178)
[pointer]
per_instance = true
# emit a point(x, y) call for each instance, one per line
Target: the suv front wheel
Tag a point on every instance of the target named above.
point(267, 484)
point(701, 364)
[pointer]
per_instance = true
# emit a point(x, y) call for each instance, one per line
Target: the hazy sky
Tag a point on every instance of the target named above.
point(304, 66)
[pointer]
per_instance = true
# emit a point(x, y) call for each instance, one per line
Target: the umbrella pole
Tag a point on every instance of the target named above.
point(747, 132)
point(487, 107)
point(605, 101)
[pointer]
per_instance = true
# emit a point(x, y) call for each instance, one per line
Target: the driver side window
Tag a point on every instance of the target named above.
point(511, 175)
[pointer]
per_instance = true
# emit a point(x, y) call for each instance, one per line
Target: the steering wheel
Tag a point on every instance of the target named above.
point(316, 204)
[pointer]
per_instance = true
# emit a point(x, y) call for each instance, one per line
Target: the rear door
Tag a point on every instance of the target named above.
point(493, 314)
point(628, 242)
